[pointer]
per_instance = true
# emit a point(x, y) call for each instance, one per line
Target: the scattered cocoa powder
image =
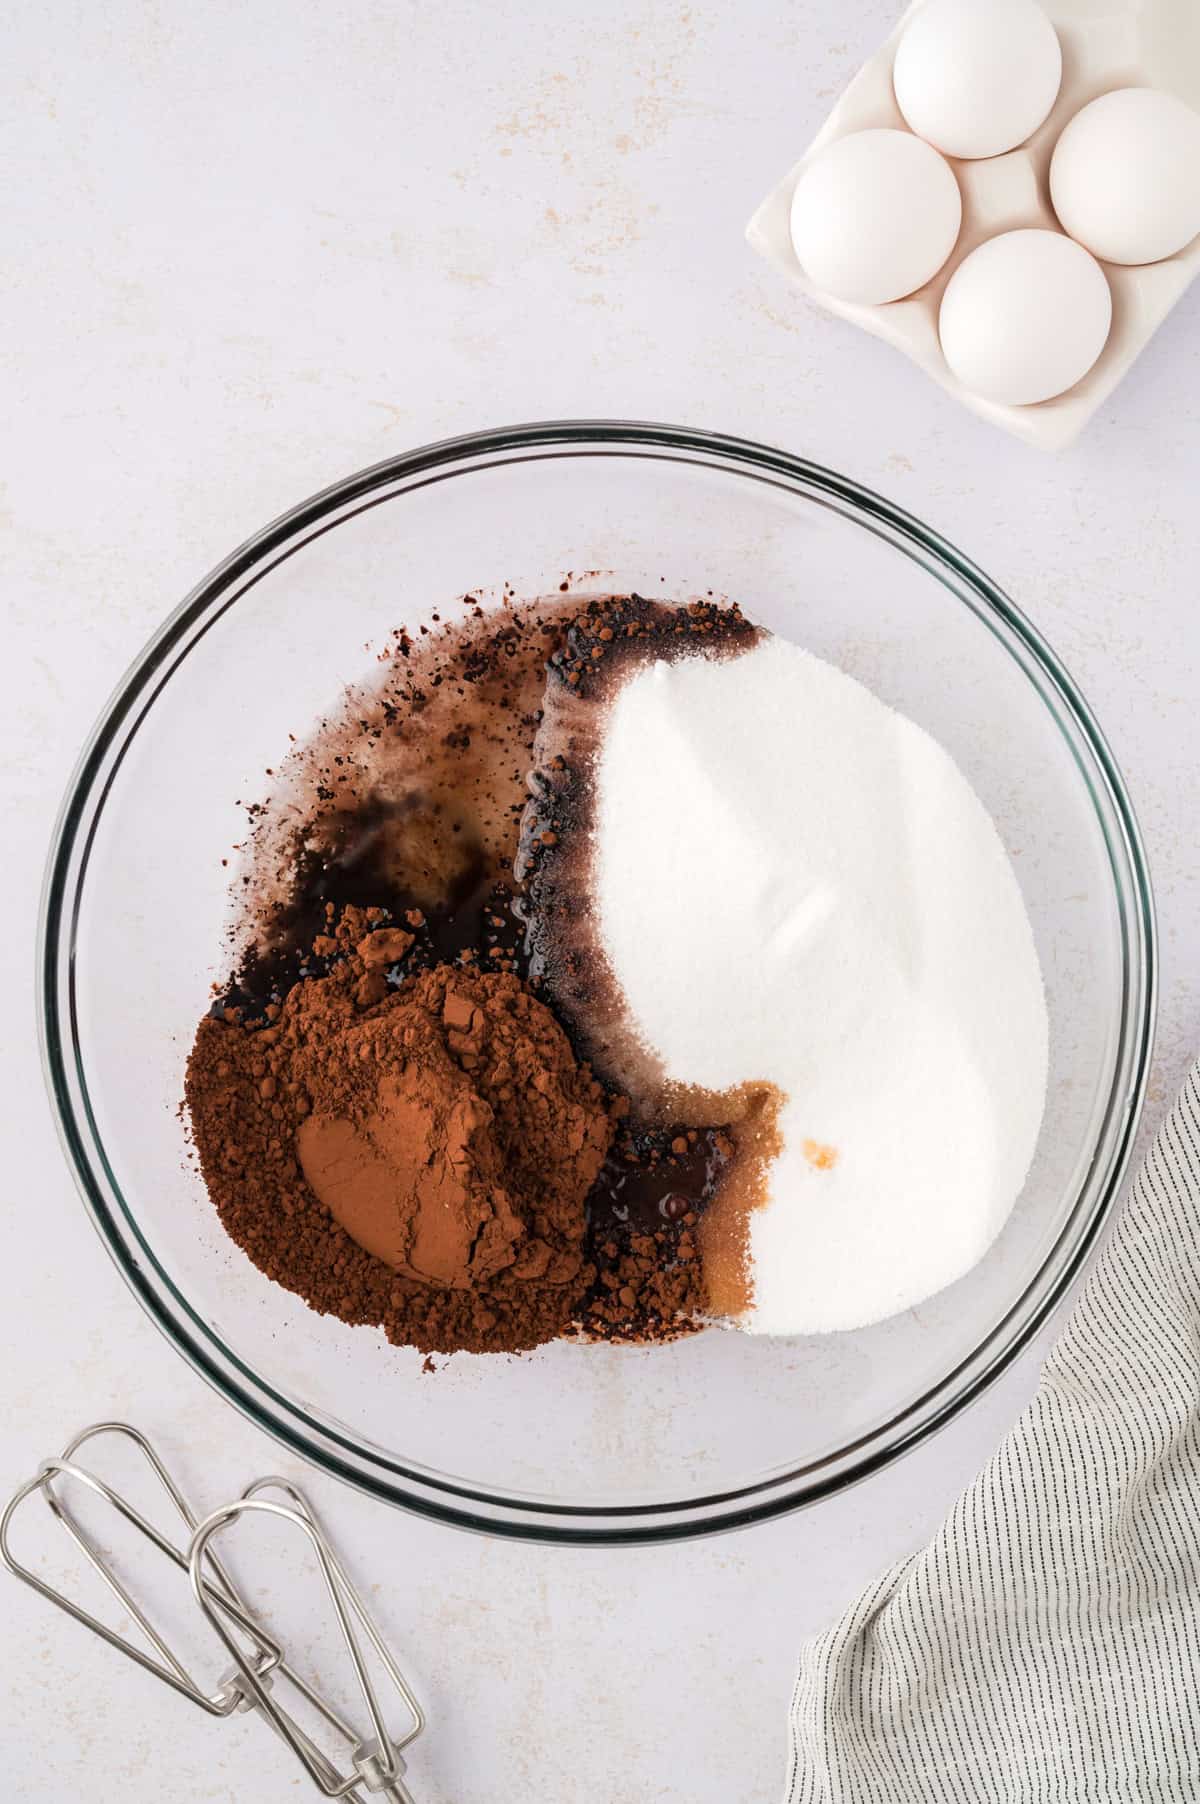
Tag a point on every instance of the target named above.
point(390, 1119)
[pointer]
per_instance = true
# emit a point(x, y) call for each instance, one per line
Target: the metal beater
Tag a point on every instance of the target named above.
point(372, 1765)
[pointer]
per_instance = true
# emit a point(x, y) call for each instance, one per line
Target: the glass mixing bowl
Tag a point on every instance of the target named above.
point(575, 1442)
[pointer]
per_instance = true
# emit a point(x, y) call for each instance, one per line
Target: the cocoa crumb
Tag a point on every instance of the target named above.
point(385, 946)
point(457, 1009)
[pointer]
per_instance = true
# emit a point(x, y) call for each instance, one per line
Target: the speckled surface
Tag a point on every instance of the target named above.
point(250, 249)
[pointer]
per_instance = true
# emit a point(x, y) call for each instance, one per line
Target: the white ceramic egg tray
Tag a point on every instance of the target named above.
point(1106, 44)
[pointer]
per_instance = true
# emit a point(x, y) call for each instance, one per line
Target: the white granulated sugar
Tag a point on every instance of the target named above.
point(796, 884)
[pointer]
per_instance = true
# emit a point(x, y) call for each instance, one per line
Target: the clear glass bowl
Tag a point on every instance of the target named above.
point(575, 1442)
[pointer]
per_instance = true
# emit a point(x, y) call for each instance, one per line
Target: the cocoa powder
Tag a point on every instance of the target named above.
point(418, 1159)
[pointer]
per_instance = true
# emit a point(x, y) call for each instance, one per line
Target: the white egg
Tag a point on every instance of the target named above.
point(977, 77)
point(1025, 316)
point(1125, 176)
point(874, 216)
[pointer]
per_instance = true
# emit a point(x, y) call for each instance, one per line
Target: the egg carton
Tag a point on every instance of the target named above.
point(1106, 44)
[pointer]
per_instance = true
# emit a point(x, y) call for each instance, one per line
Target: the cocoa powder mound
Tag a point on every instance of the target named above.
point(416, 1157)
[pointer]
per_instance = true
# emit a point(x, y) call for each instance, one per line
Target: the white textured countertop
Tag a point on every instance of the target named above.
point(247, 249)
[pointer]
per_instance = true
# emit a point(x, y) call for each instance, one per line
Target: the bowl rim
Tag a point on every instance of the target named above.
point(459, 1503)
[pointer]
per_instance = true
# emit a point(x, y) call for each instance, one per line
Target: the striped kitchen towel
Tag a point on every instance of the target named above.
point(1045, 1647)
